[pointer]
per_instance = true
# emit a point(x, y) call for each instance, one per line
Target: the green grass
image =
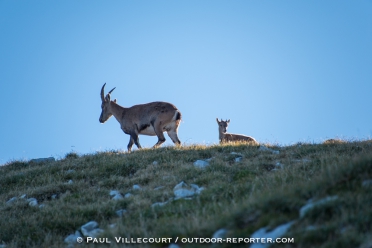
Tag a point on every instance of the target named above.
point(240, 197)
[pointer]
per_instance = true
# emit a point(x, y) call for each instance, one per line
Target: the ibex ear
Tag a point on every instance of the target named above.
point(114, 100)
point(107, 98)
point(217, 120)
point(228, 121)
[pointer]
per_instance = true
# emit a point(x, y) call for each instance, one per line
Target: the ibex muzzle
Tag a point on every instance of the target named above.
point(147, 119)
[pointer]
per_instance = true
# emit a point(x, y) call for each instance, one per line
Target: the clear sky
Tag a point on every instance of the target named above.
point(282, 71)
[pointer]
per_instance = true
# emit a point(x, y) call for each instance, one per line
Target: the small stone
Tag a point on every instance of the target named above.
point(238, 159)
point(70, 182)
point(127, 195)
point(312, 204)
point(54, 196)
point(158, 204)
point(88, 227)
point(114, 192)
point(235, 153)
point(70, 171)
point(71, 239)
point(23, 196)
point(11, 200)
point(277, 232)
point(201, 164)
point(121, 212)
point(33, 203)
point(182, 193)
point(180, 185)
point(155, 163)
point(41, 205)
point(95, 233)
point(117, 197)
point(136, 187)
point(221, 233)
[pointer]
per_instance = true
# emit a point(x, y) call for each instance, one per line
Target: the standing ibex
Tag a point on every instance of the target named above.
point(229, 137)
point(148, 119)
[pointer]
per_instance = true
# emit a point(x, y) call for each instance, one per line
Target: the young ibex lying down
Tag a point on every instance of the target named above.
point(148, 119)
point(229, 137)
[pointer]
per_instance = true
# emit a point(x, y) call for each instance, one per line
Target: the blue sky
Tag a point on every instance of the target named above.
point(282, 71)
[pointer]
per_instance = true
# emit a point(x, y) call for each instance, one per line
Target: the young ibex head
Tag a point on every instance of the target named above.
point(222, 125)
point(106, 110)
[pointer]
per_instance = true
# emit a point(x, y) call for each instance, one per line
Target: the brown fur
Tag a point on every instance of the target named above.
point(147, 119)
point(229, 137)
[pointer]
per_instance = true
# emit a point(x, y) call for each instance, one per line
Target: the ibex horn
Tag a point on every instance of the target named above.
point(103, 93)
point(111, 90)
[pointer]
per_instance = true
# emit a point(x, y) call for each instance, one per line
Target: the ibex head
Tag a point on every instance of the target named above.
point(222, 125)
point(106, 109)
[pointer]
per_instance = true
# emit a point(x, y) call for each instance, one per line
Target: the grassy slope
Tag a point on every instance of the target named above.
point(240, 197)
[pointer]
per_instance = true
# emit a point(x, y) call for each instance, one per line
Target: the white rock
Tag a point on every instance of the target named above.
point(182, 190)
point(42, 160)
point(120, 212)
point(117, 197)
point(235, 153)
point(312, 204)
point(23, 196)
point(155, 163)
point(41, 205)
point(127, 195)
point(136, 187)
point(238, 159)
point(180, 185)
point(114, 192)
point(158, 204)
point(221, 233)
point(278, 232)
point(88, 227)
point(112, 225)
point(70, 171)
point(54, 196)
point(11, 200)
point(95, 233)
point(182, 193)
point(197, 189)
point(70, 182)
point(71, 239)
point(201, 164)
point(32, 203)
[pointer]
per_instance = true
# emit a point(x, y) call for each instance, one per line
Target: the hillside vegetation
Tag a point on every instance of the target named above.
point(265, 189)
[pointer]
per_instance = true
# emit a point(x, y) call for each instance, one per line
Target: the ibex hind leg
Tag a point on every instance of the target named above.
point(159, 132)
point(173, 135)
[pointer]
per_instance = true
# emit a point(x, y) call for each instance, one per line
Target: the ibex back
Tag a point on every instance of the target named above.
point(229, 137)
point(148, 119)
